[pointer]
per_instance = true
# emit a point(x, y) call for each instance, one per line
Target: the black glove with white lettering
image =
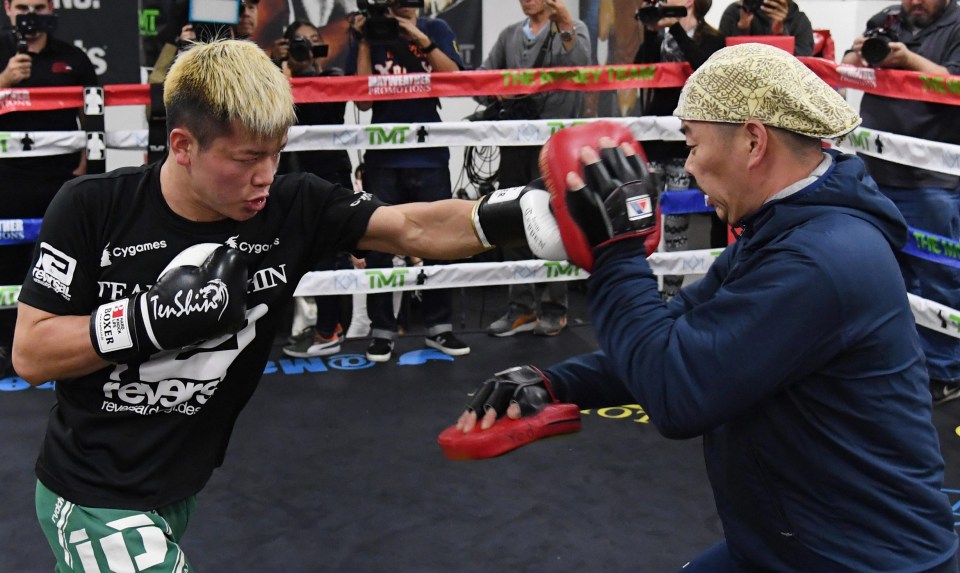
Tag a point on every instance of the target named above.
point(201, 295)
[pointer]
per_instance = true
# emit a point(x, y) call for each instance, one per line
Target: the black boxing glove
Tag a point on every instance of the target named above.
point(519, 216)
point(200, 295)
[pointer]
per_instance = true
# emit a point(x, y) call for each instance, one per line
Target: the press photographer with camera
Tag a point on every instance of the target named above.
point(675, 31)
point(182, 32)
point(769, 18)
point(388, 37)
point(921, 36)
point(299, 53)
point(30, 56)
point(547, 37)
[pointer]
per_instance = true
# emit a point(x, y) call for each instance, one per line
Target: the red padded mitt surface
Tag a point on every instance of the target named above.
point(561, 155)
point(507, 434)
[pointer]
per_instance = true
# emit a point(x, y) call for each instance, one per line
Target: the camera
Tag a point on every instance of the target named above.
point(876, 45)
point(302, 50)
point(380, 28)
point(31, 24)
point(752, 6)
point(653, 12)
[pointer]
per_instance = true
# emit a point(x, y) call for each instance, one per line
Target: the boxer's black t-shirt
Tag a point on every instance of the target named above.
point(141, 436)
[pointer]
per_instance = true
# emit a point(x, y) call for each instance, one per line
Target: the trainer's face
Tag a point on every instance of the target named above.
point(720, 167)
point(231, 178)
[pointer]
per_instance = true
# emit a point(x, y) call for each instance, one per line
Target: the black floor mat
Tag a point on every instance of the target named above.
point(334, 467)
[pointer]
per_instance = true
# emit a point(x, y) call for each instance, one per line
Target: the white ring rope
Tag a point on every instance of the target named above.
point(935, 156)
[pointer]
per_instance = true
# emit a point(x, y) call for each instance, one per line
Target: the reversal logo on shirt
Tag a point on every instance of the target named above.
point(54, 269)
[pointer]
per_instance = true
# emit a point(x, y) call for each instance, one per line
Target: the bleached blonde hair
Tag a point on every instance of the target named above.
point(213, 86)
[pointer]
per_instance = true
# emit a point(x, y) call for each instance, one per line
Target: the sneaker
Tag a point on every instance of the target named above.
point(513, 322)
point(379, 350)
point(447, 343)
point(550, 325)
point(944, 391)
point(305, 334)
point(316, 345)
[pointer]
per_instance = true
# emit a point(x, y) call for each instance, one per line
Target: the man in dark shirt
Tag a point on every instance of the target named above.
point(772, 18)
point(31, 182)
point(929, 42)
point(399, 176)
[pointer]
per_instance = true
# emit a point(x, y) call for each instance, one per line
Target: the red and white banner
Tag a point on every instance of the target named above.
point(891, 83)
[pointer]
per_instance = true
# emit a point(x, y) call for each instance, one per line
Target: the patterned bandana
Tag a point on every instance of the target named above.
point(757, 81)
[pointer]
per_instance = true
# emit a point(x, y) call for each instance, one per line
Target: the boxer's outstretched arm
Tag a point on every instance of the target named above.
point(437, 230)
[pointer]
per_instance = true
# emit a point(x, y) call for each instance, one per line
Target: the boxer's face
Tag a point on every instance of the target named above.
point(719, 165)
point(230, 178)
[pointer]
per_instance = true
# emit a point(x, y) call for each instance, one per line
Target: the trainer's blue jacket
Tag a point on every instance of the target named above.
point(797, 360)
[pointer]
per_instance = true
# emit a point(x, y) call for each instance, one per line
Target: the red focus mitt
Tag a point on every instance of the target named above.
point(619, 199)
point(541, 416)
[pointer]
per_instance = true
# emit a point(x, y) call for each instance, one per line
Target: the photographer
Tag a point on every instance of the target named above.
point(298, 53)
point(769, 18)
point(181, 33)
point(31, 57)
point(547, 37)
point(389, 38)
point(676, 39)
point(926, 39)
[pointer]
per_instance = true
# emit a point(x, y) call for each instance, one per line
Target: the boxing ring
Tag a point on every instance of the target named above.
point(334, 464)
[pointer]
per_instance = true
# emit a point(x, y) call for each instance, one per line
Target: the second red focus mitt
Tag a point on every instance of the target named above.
point(541, 416)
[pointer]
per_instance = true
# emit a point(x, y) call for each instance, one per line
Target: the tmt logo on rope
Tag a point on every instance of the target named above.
point(558, 269)
point(387, 278)
point(380, 136)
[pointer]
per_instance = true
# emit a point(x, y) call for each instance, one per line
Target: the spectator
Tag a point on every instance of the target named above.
point(406, 176)
point(773, 18)
point(29, 183)
point(929, 42)
point(547, 37)
point(324, 337)
point(247, 22)
point(688, 39)
point(795, 359)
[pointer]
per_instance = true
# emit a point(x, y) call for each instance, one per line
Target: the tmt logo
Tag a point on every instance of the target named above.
point(381, 278)
point(860, 139)
point(556, 269)
point(380, 136)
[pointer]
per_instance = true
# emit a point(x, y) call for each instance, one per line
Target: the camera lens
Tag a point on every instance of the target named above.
point(875, 50)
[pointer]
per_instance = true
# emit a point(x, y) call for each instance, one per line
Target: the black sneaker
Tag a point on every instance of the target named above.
point(304, 334)
point(447, 343)
point(943, 391)
point(380, 350)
